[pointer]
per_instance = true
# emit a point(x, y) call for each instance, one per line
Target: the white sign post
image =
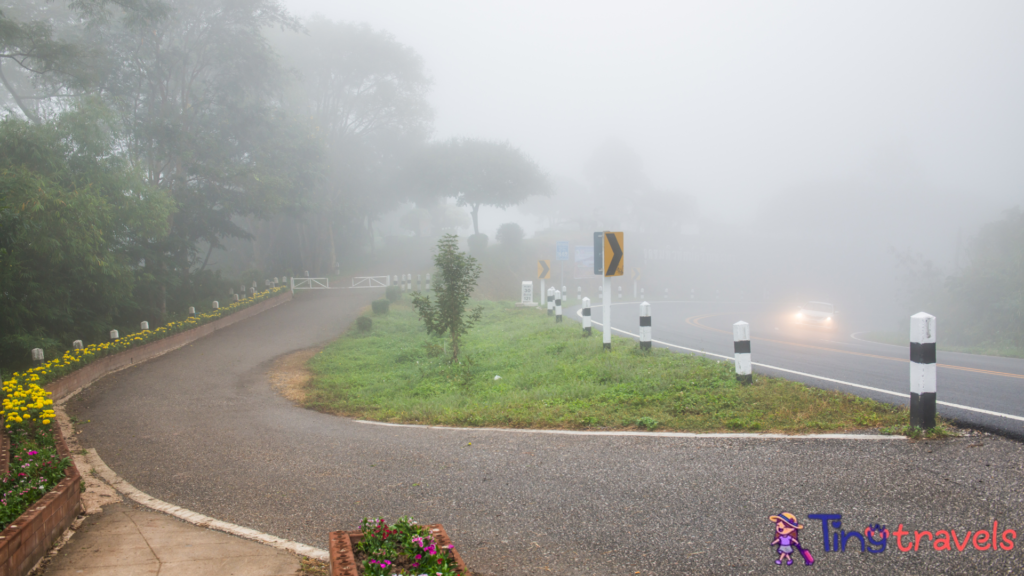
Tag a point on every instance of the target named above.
point(527, 298)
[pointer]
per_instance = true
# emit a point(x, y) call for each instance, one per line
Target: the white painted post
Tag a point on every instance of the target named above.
point(192, 309)
point(543, 293)
point(37, 356)
point(741, 347)
point(114, 335)
point(565, 294)
point(579, 292)
point(923, 386)
point(551, 301)
point(527, 293)
point(252, 291)
point(235, 296)
point(606, 312)
point(428, 282)
point(216, 305)
point(77, 345)
point(419, 282)
point(253, 284)
point(242, 291)
point(307, 273)
point(641, 293)
point(408, 282)
point(645, 326)
point(586, 316)
point(620, 292)
point(558, 306)
point(144, 325)
point(396, 281)
point(292, 284)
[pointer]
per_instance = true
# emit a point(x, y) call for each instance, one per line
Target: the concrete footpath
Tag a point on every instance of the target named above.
point(128, 540)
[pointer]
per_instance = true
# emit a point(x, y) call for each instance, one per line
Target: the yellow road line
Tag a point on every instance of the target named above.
point(695, 321)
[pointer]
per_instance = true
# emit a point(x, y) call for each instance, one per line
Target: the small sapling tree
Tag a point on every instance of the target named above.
point(456, 277)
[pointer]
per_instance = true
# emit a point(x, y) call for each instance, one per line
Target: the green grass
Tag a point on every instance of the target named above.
point(897, 339)
point(554, 377)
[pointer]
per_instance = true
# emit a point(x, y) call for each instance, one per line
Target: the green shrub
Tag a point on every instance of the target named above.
point(393, 293)
point(477, 242)
point(510, 235)
point(364, 324)
point(381, 306)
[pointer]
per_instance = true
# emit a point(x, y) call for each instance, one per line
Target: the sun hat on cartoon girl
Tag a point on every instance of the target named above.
point(788, 519)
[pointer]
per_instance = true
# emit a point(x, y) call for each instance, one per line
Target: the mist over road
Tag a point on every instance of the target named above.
point(821, 356)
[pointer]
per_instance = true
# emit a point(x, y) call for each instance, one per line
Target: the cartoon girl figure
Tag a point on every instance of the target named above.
point(786, 536)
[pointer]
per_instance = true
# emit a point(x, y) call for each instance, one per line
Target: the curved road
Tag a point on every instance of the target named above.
point(201, 428)
point(982, 391)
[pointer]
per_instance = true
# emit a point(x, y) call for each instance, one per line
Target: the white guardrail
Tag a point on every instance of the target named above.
point(370, 282)
point(310, 284)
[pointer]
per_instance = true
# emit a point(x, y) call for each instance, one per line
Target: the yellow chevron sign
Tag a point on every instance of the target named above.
point(544, 269)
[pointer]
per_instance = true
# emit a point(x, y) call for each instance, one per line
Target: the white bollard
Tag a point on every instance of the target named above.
point(543, 293)
point(558, 306)
point(408, 282)
point(114, 335)
point(645, 326)
point(307, 273)
point(586, 316)
point(922, 370)
point(192, 309)
point(144, 325)
point(428, 282)
point(77, 345)
point(242, 290)
point(396, 281)
point(565, 294)
point(291, 285)
point(551, 301)
point(620, 292)
point(254, 284)
point(252, 291)
point(579, 292)
point(236, 297)
point(37, 355)
point(741, 347)
point(641, 293)
point(419, 282)
point(216, 305)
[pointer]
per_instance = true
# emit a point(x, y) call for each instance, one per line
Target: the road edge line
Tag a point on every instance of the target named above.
point(195, 518)
point(826, 379)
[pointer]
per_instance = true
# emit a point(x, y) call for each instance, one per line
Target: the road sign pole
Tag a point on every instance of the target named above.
point(543, 293)
point(606, 312)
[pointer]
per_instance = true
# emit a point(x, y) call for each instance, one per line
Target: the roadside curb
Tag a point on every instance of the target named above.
point(196, 518)
point(695, 435)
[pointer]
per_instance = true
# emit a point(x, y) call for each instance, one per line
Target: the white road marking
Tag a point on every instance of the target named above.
point(833, 380)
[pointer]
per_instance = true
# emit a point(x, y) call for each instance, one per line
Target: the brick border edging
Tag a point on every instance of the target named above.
point(67, 385)
point(343, 559)
point(26, 540)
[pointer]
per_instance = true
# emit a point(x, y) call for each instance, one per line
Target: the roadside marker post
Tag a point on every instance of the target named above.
point(565, 294)
point(586, 317)
point(922, 370)
point(527, 294)
point(645, 326)
point(144, 325)
point(192, 309)
point(551, 301)
point(236, 297)
point(114, 335)
point(216, 305)
point(620, 292)
point(37, 356)
point(77, 345)
point(428, 282)
point(558, 306)
point(408, 282)
point(741, 347)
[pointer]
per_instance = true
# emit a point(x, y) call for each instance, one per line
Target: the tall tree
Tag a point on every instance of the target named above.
point(366, 95)
point(197, 93)
point(481, 173)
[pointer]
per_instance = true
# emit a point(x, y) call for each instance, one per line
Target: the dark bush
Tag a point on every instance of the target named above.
point(393, 293)
point(381, 306)
point(477, 242)
point(510, 235)
point(364, 324)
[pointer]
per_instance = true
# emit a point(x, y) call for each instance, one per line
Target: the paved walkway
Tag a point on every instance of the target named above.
point(127, 540)
point(202, 428)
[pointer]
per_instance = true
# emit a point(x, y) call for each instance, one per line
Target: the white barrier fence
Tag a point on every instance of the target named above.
point(370, 282)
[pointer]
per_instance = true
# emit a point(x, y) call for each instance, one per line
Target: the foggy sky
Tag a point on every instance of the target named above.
point(733, 102)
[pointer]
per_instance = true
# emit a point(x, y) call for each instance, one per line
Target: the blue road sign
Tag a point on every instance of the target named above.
point(599, 253)
point(561, 251)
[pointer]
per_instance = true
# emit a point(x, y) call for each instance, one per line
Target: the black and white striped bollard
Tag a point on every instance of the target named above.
point(558, 306)
point(586, 316)
point(741, 346)
point(922, 370)
point(645, 326)
point(551, 301)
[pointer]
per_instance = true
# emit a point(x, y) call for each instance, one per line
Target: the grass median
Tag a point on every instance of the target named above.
point(551, 376)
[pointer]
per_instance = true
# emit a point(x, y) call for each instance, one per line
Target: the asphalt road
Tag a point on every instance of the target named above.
point(201, 428)
point(820, 355)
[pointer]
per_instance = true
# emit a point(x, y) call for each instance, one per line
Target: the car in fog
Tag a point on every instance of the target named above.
point(816, 314)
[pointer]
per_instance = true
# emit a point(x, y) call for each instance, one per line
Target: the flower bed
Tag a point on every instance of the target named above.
point(405, 549)
point(26, 538)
